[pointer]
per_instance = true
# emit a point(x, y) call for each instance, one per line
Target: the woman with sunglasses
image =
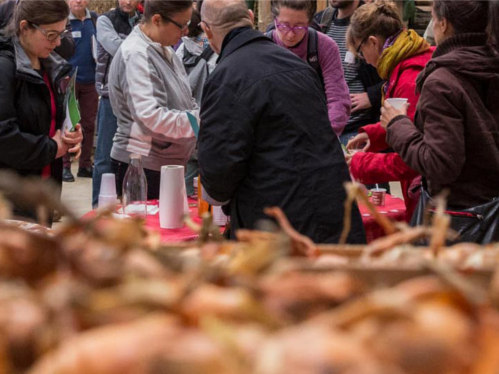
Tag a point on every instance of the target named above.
point(151, 96)
point(377, 34)
point(291, 20)
point(32, 140)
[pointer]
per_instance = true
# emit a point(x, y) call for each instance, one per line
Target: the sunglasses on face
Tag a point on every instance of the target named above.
point(51, 36)
point(181, 27)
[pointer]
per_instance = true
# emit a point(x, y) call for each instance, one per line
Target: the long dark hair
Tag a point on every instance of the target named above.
point(164, 8)
point(468, 16)
point(42, 12)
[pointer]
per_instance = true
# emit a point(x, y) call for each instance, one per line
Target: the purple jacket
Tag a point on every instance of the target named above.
point(337, 93)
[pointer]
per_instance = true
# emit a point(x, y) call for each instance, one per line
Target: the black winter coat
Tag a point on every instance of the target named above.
point(25, 111)
point(266, 140)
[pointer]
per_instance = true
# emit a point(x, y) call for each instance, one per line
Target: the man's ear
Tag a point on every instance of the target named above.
point(252, 16)
point(208, 32)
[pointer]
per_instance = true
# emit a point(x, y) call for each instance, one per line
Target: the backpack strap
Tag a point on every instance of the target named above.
point(327, 18)
point(313, 52)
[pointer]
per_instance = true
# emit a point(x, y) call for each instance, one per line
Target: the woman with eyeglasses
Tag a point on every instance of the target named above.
point(377, 34)
point(151, 96)
point(32, 141)
point(291, 21)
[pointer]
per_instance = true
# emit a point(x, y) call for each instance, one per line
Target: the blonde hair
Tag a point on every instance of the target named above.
point(380, 18)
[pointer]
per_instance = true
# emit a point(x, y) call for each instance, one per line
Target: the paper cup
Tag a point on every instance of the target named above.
point(378, 196)
point(108, 185)
point(107, 193)
point(397, 103)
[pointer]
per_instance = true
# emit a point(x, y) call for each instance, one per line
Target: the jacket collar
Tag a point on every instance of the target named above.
point(460, 41)
point(166, 52)
point(447, 46)
point(54, 65)
point(72, 17)
point(126, 17)
point(237, 38)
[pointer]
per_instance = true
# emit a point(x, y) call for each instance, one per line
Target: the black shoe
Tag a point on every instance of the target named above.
point(67, 176)
point(85, 172)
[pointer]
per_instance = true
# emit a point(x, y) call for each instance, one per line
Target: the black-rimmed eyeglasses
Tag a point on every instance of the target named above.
point(358, 51)
point(181, 27)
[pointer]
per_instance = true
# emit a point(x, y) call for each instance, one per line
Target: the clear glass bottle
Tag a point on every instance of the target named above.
point(135, 189)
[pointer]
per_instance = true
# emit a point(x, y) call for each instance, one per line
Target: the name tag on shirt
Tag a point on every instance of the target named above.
point(76, 34)
point(349, 58)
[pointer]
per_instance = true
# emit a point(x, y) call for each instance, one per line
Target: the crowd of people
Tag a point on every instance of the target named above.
point(285, 117)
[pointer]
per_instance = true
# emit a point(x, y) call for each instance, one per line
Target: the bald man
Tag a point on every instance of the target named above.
point(265, 137)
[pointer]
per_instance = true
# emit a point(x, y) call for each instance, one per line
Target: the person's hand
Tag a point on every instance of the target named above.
point(75, 151)
point(360, 142)
point(349, 157)
point(72, 138)
point(389, 112)
point(360, 102)
point(62, 147)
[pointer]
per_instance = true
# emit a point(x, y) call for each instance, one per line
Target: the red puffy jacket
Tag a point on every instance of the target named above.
point(370, 167)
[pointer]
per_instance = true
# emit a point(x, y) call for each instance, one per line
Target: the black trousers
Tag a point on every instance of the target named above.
point(153, 179)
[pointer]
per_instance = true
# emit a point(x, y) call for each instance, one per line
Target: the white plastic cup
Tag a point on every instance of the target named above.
point(397, 103)
point(107, 194)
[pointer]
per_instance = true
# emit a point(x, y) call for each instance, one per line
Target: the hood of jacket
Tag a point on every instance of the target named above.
point(466, 55)
point(192, 46)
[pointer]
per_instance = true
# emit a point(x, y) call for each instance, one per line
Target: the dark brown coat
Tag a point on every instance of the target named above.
point(455, 140)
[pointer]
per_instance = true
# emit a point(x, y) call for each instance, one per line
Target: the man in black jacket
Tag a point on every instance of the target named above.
point(265, 137)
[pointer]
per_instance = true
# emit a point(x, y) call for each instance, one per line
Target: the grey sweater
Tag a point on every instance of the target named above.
point(150, 95)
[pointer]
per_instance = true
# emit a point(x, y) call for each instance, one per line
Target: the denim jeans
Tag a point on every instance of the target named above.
point(106, 129)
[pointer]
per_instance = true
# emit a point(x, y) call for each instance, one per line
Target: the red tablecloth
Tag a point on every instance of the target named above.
point(175, 235)
point(394, 209)
point(168, 235)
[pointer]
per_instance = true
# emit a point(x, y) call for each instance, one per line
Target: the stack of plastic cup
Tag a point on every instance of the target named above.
point(107, 195)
